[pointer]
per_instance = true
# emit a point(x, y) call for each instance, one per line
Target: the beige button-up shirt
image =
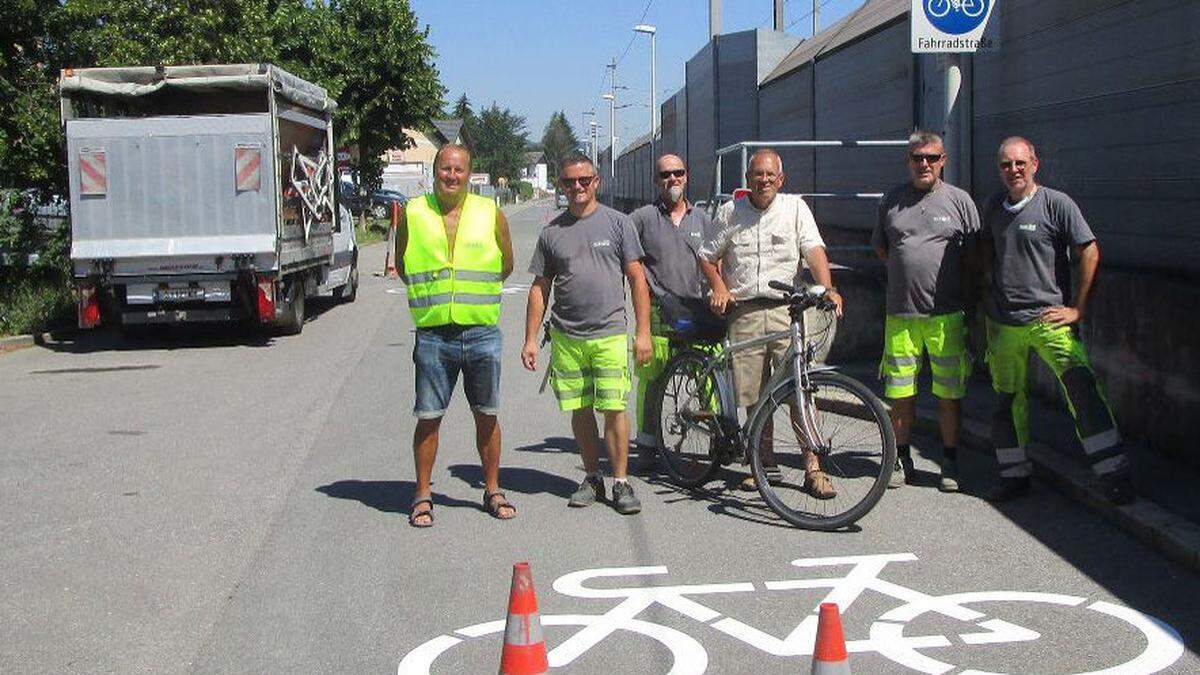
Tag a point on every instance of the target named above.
point(757, 247)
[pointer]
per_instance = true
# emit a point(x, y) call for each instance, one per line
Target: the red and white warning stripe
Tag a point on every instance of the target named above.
point(93, 172)
point(247, 160)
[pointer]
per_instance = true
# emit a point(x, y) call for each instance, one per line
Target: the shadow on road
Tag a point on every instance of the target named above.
point(551, 444)
point(196, 336)
point(517, 479)
point(389, 496)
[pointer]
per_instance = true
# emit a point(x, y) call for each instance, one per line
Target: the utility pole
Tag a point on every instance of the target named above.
point(612, 131)
point(652, 32)
point(778, 14)
point(714, 18)
point(816, 16)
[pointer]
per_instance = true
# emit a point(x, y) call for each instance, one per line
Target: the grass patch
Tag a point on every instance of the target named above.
point(31, 306)
point(375, 230)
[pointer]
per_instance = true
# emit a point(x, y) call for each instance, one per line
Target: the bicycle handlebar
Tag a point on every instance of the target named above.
point(812, 296)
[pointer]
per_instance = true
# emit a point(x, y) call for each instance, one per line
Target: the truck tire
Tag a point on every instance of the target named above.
point(292, 321)
point(349, 291)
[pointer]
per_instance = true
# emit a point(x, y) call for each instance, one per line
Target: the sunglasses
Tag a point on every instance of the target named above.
point(1013, 164)
point(583, 181)
point(917, 158)
point(673, 173)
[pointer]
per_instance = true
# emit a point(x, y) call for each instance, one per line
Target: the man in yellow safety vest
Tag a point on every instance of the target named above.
point(455, 252)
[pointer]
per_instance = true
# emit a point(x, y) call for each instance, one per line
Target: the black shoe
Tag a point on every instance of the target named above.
point(1008, 490)
point(590, 489)
point(624, 500)
point(1117, 489)
point(949, 478)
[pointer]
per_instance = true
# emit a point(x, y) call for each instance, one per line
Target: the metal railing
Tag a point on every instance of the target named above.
point(746, 146)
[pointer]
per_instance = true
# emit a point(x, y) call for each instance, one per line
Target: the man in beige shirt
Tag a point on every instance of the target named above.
point(758, 240)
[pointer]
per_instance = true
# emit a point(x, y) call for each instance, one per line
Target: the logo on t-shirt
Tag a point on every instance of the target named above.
point(1027, 227)
point(940, 219)
point(602, 243)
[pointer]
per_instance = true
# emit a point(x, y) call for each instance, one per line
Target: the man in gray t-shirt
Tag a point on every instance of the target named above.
point(584, 256)
point(671, 231)
point(1027, 233)
point(925, 231)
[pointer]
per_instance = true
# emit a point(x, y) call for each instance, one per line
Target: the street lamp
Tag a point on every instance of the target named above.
point(651, 31)
point(593, 132)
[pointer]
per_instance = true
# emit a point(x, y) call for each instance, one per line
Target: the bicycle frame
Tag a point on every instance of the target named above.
point(800, 353)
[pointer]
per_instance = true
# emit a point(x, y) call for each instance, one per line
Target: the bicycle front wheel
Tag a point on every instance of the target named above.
point(688, 427)
point(855, 447)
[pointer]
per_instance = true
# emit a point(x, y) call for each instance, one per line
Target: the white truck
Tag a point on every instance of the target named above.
point(203, 193)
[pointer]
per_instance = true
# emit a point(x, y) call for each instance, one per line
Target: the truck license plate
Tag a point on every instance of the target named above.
point(180, 294)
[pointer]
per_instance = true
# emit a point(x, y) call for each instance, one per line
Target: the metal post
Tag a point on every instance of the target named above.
point(714, 18)
point(945, 107)
point(816, 12)
point(779, 15)
point(744, 166)
point(653, 107)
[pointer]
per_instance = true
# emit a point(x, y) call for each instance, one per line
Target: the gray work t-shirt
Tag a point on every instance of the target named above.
point(671, 264)
point(1030, 268)
point(585, 258)
point(925, 234)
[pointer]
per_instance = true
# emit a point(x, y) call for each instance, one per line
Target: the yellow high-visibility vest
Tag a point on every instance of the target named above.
point(463, 288)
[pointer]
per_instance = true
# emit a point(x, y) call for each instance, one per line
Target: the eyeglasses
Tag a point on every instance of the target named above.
point(583, 181)
point(1013, 164)
point(673, 173)
point(917, 158)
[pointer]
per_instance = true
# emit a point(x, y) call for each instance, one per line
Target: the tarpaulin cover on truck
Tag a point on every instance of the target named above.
point(146, 80)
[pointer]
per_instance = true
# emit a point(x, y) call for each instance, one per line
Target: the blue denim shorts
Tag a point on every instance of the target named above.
point(441, 353)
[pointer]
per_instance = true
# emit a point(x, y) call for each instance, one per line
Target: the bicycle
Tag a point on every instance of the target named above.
point(971, 8)
point(885, 637)
point(694, 417)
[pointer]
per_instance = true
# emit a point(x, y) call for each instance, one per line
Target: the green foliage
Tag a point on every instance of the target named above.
point(35, 295)
point(525, 190)
point(462, 109)
point(499, 143)
point(558, 141)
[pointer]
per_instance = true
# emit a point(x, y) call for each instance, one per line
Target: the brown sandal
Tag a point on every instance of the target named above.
point(493, 506)
point(817, 484)
point(413, 513)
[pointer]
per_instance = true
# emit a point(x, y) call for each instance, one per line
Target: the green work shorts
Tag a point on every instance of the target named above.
point(589, 372)
point(905, 339)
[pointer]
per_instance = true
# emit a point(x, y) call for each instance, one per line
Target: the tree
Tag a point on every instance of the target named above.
point(370, 55)
point(558, 141)
point(499, 143)
point(462, 109)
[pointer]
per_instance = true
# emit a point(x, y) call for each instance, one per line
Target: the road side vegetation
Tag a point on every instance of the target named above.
point(35, 288)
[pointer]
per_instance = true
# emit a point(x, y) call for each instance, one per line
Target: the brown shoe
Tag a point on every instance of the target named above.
point(817, 483)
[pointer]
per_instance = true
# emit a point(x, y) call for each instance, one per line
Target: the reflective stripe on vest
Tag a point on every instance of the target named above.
point(464, 290)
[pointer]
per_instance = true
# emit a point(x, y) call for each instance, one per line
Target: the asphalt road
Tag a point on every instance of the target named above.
point(211, 502)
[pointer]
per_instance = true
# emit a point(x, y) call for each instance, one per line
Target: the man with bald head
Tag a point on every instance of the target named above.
point(671, 231)
point(765, 237)
point(454, 252)
point(1028, 231)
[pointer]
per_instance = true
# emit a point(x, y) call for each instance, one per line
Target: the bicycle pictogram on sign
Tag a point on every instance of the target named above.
point(889, 635)
point(956, 17)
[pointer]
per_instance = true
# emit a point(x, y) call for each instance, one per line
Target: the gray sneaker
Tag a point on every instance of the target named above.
point(590, 489)
point(624, 500)
point(897, 478)
point(949, 478)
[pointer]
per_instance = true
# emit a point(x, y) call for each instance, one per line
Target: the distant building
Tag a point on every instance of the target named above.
point(410, 170)
point(534, 171)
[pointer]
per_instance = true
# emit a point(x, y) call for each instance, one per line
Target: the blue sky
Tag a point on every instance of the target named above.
point(540, 56)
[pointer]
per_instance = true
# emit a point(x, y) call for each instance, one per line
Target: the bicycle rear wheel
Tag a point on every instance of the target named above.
point(688, 424)
point(857, 449)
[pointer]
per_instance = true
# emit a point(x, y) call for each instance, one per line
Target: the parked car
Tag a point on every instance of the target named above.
point(381, 202)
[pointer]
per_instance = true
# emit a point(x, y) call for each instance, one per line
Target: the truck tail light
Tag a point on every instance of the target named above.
point(89, 307)
point(266, 300)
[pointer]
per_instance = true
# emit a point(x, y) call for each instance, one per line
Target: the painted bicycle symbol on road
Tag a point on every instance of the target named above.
point(887, 635)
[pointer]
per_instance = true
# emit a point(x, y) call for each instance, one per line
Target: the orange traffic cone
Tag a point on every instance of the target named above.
point(829, 654)
point(524, 648)
point(389, 264)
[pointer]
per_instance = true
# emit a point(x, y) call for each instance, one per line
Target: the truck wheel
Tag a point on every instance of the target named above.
point(380, 211)
point(349, 292)
point(292, 321)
